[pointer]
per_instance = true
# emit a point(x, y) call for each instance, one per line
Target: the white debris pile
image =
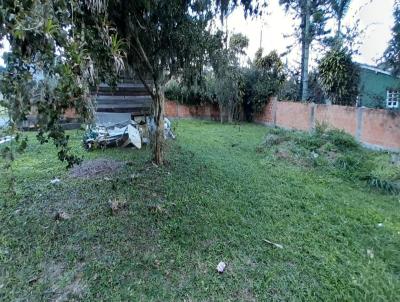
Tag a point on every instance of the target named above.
point(55, 181)
point(6, 139)
point(221, 267)
point(129, 133)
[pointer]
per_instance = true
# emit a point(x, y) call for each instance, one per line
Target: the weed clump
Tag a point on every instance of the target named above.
point(338, 153)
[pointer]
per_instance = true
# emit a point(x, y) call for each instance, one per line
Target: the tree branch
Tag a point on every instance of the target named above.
point(143, 54)
point(149, 90)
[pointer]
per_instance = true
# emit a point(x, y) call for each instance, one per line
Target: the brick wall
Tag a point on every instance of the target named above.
point(266, 115)
point(339, 117)
point(380, 128)
point(376, 128)
point(206, 111)
point(293, 115)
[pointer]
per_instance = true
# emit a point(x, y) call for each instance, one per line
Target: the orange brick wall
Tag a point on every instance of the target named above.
point(380, 128)
point(214, 112)
point(171, 109)
point(293, 115)
point(266, 116)
point(207, 111)
point(339, 117)
point(372, 127)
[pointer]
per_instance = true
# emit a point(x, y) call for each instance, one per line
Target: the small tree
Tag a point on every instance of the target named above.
point(339, 77)
point(391, 56)
point(225, 82)
point(264, 79)
point(312, 15)
point(339, 9)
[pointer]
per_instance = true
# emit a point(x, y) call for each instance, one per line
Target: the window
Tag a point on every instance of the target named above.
point(393, 99)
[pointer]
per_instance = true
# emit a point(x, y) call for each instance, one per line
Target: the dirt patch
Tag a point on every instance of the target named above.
point(274, 139)
point(95, 168)
point(64, 284)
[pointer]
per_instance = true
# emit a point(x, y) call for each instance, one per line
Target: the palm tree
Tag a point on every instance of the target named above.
point(339, 8)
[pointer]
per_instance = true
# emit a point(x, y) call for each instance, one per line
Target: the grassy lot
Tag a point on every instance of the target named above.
point(221, 194)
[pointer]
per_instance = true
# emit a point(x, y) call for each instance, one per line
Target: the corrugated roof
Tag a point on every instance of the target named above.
point(375, 69)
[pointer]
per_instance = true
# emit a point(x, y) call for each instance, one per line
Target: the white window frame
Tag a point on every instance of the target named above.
point(392, 99)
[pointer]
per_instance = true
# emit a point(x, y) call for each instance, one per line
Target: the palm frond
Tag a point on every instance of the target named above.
point(340, 7)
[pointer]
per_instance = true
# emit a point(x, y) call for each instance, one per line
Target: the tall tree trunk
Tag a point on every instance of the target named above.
point(230, 111)
point(221, 113)
point(158, 144)
point(305, 48)
point(339, 28)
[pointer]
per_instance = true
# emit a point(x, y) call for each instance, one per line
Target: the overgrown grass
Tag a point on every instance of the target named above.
point(337, 152)
point(218, 197)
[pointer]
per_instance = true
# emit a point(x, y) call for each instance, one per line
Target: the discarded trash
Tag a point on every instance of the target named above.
point(128, 133)
point(221, 267)
point(55, 181)
point(315, 155)
point(6, 139)
point(279, 246)
point(61, 216)
point(167, 129)
point(380, 225)
point(370, 253)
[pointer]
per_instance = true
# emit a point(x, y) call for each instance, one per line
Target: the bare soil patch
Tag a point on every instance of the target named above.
point(96, 168)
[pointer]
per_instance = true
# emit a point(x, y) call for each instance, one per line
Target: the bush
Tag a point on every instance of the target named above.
point(194, 95)
point(339, 77)
point(173, 90)
point(342, 140)
point(263, 79)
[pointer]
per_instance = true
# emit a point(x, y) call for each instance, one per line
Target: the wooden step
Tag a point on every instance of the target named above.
point(111, 99)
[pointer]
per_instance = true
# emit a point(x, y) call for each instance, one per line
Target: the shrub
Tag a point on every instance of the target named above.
point(342, 140)
point(263, 79)
point(173, 90)
point(177, 91)
point(339, 77)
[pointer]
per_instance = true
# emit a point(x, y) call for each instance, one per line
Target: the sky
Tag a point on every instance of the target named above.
point(375, 17)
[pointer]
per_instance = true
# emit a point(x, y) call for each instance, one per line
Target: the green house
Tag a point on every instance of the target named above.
point(378, 88)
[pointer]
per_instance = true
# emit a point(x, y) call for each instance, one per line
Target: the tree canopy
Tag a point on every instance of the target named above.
point(339, 8)
point(59, 49)
point(339, 77)
point(312, 14)
point(391, 56)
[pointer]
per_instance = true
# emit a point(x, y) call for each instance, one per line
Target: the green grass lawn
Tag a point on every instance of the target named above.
point(217, 199)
